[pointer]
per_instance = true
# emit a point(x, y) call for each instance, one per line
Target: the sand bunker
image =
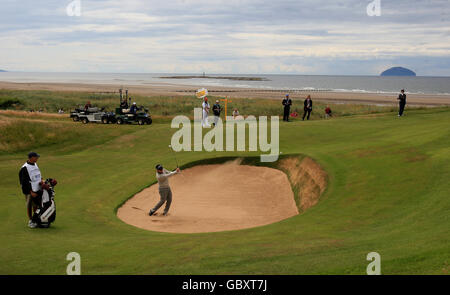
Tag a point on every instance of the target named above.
point(307, 178)
point(211, 198)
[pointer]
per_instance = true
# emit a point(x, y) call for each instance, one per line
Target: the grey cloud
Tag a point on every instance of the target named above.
point(195, 31)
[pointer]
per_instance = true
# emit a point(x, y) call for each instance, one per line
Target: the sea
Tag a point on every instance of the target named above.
point(358, 84)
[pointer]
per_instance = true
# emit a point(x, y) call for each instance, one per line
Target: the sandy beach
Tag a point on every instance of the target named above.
point(155, 89)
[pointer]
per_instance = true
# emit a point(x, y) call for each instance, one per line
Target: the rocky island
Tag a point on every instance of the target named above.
point(398, 71)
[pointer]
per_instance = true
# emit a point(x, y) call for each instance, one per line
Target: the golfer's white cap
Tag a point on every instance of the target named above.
point(134, 103)
point(217, 101)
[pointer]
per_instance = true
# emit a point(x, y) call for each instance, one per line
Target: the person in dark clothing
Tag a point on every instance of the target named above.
point(30, 180)
point(307, 107)
point(124, 104)
point(216, 111)
point(402, 102)
point(328, 112)
point(133, 108)
point(287, 102)
point(87, 106)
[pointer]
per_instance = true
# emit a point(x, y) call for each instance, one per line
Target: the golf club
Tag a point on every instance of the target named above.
point(170, 146)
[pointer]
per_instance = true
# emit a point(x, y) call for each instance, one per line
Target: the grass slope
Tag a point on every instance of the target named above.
point(388, 192)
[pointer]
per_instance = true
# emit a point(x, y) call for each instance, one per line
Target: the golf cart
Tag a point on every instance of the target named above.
point(93, 115)
point(123, 114)
point(75, 115)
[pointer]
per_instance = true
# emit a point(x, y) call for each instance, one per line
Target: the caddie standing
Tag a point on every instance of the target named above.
point(162, 175)
point(30, 179)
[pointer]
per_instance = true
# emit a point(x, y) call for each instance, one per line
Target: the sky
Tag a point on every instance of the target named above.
point(314, 37)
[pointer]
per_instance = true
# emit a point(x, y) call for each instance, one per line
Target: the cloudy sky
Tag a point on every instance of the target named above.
point(226, 36)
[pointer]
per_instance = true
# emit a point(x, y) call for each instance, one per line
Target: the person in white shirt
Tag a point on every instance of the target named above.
point(162, 175)
point(30, 179)
point(205, 107)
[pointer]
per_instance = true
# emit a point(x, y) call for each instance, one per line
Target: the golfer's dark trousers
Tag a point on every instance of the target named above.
point(286, 113)
point(307, 111)
point(166, 197)
point(401, 108)
point(216, 117)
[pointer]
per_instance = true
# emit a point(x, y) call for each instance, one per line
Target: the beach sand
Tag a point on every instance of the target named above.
point(155, 89)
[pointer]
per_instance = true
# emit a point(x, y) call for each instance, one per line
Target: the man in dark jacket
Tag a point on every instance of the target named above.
point(287, 102)
point(30, 179)
point(216, 111)
point(402, 102)
point(133, 108)
point(124, 104)
point(307, 107)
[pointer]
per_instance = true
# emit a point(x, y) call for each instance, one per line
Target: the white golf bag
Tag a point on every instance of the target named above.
point(46, 212)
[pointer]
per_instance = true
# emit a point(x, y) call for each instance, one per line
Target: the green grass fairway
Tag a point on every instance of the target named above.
point(388, 192)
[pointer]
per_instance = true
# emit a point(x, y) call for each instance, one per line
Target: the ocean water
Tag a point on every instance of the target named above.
point(369, 84)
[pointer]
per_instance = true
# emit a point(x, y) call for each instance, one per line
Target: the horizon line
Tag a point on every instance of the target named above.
point(201, 74)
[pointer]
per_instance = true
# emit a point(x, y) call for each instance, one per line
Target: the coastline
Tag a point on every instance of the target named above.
point(167, 89)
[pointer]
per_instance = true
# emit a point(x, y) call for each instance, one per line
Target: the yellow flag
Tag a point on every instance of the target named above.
point(201, 93)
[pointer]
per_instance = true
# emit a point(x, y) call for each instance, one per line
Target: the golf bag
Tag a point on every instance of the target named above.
point(46, 212)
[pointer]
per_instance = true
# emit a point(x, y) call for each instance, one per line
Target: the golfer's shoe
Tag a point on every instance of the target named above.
point(32, 224)
point(151, 213)
point(165, 213)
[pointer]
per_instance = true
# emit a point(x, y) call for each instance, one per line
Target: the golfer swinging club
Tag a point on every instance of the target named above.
point(162, 175)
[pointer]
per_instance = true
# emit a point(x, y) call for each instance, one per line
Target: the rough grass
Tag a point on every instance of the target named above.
point(21, 132)
point(52, 101)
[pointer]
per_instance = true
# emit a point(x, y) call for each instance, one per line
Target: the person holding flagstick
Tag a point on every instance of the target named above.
point(205, 107)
